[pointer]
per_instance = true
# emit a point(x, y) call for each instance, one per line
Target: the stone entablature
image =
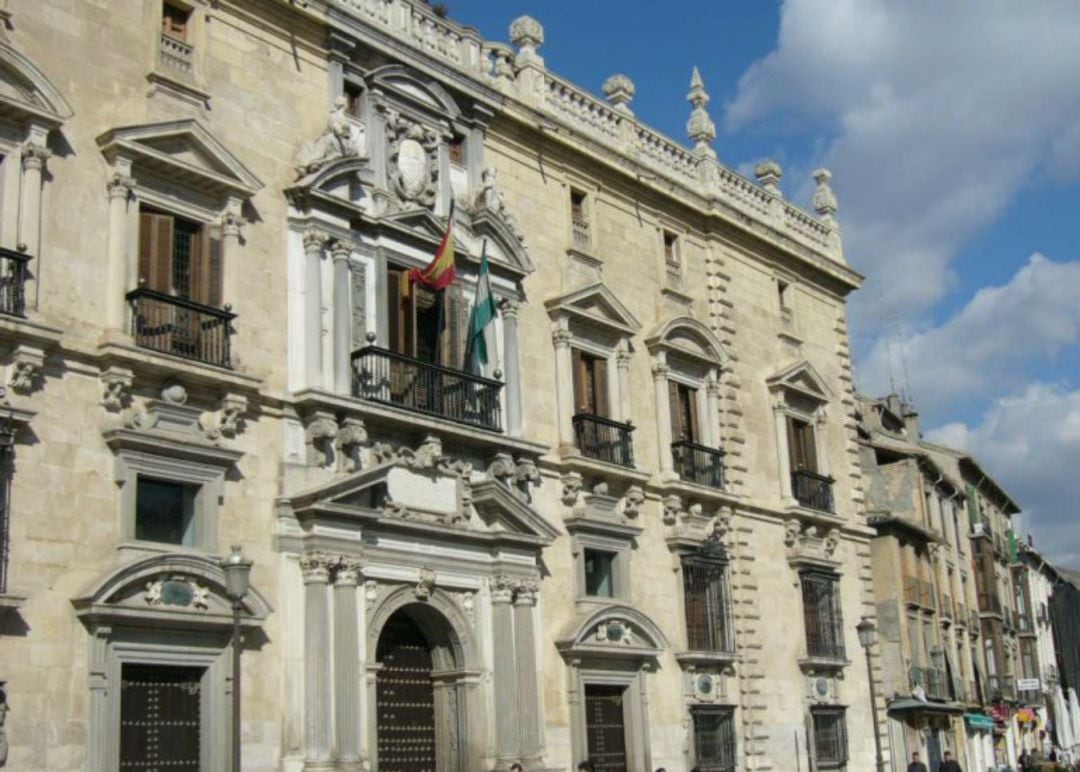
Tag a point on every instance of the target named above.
point(611, 124)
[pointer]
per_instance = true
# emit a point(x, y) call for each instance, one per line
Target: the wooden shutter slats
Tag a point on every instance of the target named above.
point(155, 251)
point(600, 385)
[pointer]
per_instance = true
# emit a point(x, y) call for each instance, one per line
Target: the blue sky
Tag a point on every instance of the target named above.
point(953, 133)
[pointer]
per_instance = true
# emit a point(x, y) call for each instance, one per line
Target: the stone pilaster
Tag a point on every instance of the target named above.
point(564, 384)
point(622, 366)
point(528, 706)
point(347, 664)
point(513, 367)
point(314, 242)
point(341, 252)
point(660, 372)
point(119, 189)
point(34, 156)
point(232, 273)
point(507, 723)
point(318, 729)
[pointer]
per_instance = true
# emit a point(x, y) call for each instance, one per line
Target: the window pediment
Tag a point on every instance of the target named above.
point(687, 337)
point(398, 80)
point(184, 151)
point(595, 305)
point(612, 631)
point(26, 94)
point(181, 589)
point(801, 379)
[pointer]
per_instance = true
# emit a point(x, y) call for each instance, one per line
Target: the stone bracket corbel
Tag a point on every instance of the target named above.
point(228, 420)
point(26, 369)
point(352, 435)
point(116, 384)
point(319, 432)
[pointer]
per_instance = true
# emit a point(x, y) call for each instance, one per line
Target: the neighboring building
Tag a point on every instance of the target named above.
point(926, 599)
point(636, 533)
point(1065, 623)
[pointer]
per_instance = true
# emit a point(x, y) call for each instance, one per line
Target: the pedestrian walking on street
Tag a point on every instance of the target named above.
point(916, 765)
point(950, 764)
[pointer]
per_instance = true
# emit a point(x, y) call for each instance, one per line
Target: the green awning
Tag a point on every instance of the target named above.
point(979, 721)
point(908, 705)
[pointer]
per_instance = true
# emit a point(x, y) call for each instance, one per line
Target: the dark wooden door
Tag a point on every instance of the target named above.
point(160, 718)
point(405, 699)
point(605, 727)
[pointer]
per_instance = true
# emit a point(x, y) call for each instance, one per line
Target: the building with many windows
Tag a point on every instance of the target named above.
point(632, 530)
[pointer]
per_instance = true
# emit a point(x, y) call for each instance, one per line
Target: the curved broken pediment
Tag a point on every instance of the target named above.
point(688, 337)
point(26, 93)
point(182, 589)
point(612, 631)
point(400, 81)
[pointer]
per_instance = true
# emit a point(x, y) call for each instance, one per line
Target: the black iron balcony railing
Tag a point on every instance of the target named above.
point(13, 282)
point(604, 439)
point(932, 681)
point(181, 327)
point(381, 375)
point(812, 490)
point(698, 463)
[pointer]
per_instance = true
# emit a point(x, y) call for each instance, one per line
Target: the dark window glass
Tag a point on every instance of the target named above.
point(714, 738)
point(164, 512)
point(599, 573)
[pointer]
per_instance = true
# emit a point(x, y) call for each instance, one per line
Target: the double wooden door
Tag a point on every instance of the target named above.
point(605, 727)
point(405, 697)
point(160, 718)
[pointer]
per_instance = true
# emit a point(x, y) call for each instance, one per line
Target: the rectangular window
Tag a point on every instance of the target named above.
point(830, 737)
point(801, 446)
point(579, 219)
point(6, 467)
point(457, 150)
point(424, 324)
point(682, 401)
point(714, 738)
point(590, 384)
point(353, 100)
point(707, 602)
point(599, 573)
point(821, 612)
point(165, 512)
point(671, 248)
point(180, 258)
point(782, 288)
point(174, 21)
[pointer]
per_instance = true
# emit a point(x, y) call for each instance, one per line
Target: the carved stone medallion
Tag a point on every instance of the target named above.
point(412, 162)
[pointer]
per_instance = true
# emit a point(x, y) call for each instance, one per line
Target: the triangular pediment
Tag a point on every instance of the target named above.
point(502, 509)
point(803, 379)
point(595, 304)
point(184, 151)
point(25, 92)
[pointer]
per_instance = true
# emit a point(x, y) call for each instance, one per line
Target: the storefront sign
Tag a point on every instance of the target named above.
point(1029, 684)
point(979, 721)
point(1025, 716)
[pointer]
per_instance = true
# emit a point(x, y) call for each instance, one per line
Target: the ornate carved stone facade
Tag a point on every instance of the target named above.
point(541, 531)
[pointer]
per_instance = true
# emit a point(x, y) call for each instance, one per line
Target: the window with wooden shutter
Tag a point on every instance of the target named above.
point(416, 325)
point(801, 447)
point(590, 384)
point(155, 251)
point(707, 604)
point(682, 401)
point(181, 258)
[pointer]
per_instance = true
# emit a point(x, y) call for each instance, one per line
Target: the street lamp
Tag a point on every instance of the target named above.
point(868, 637)
point(237, 570)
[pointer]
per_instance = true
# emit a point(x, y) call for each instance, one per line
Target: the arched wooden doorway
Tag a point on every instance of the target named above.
point(405, 698)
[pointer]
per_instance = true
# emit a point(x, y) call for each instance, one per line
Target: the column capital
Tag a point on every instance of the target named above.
point(341, 249)
point(34, 156)
point(349, 571)
point(623, 357)
point(660, 371)
point(315, 240)
point(120, 185)
point(526, 593)
point(561, 337)
point(230, 225)
point(502, 589)
point(315, 567)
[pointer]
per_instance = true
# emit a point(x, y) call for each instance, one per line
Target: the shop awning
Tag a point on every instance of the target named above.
point(910, 705)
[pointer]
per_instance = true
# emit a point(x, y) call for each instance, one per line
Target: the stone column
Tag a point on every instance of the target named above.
point(712, 409)
point(663, 416)
point(314, 241)
point(564, 384)
point(622, 365)
point(347, 664)
point(230, 254)
point(342, 252)
point(34, 156)
point(513, 367)
point(783, 460)
point(119, 189)
point(318, 729)
point(507, 723)
point(528, 706)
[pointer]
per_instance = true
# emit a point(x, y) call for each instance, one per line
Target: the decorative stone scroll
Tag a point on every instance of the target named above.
point(342, 138)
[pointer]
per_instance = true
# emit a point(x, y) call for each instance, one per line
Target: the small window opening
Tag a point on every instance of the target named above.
point(599, 574)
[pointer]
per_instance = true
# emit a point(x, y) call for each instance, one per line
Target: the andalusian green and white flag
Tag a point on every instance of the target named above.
point(482, 317)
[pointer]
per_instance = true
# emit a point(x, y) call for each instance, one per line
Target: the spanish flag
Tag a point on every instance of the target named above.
point(439, 273)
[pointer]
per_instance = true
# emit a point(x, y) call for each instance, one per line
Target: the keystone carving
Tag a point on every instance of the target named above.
point(426, 584)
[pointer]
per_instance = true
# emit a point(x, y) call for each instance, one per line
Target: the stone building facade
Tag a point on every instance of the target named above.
point(637, 533)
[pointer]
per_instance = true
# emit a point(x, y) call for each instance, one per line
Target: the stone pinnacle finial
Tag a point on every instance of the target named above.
point(700, 127)
point(824, 199)
point(768, 174)
point(620, 90)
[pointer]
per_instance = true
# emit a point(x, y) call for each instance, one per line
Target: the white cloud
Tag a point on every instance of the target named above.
point(936, 114)
point(982, 351)
point(1030, 443)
